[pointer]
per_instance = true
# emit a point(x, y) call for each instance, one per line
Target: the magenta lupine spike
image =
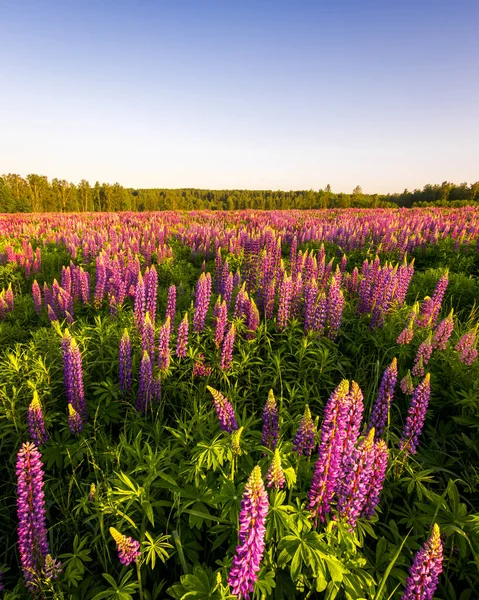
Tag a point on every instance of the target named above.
point(328, 466)
point(9, 298)
point(128, 548)
point(228, 289)
point(36, 423)
point(32, 531)
point(250, 548)
point(285, 295)
point(202, 302)
point(199, 368)
point(422, 357)
point(352, 424)
point(52, 568)
point(240, 303)
point(220, 314)
point(140, 302)
point(443, 332)
point(51, 314)
point(252, 319)
point(37, 297)
point(407, 385)
point(275, 474)
point(466, 347)
point(75, 421)
point(311, 293)
point(356, 480)
point(334, 310)
point(270, 423)
point(151, 290)
point(227, 349)
point(224, 410)
point(375, 485)
point(424, 573)
point(171, 304)
point(100, 283)
point(431, 306)
point(416, 416)
point(164, 351)
point(148, 336)
point(405, 336)
point(380, 411)
point(146, 385)
point(73, 374)
point(124, 363)
point(182, 338)
point(305, 438)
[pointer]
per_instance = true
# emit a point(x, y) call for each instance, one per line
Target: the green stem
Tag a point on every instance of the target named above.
point(138, 574)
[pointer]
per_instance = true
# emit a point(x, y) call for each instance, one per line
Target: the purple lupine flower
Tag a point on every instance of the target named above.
point(466, 347)
point(305, 438)
point(422, 357)
point(250, 548)
point(380, 411)
point(378, 475)
point(100, 283)
point(405, 336)
point(270, 423)
point(424, 573)
point(228, 288)
point(334, 310)
point(51, 314)
point(75, 422)
point(171, 303)
point(32, 531)
point(275, 474)
point(199, 368)
point(128, 548)
point(151, 290)
point(84, 286)
point(124, 363)
point(202, 302)
point(442, 333)
point(356, 480)
point(182, 338)
point(164, 351)
point(52, 568)
point(224, 410)
point(285, 295)
point(220, 314)
point(311, 292)
point(416, 416)
point(140, 302)
point(352, 424)
point(327, 468)
point(145, 388)
point(73, 374)
point(147, 332)
point(9, 298)
point(36, 423)
point(241, 301)
point(407, 385)
point(37, 297)
point(227, 349)
point(431, 306)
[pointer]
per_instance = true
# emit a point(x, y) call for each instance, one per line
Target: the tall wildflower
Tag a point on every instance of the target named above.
point(250, 548)
point(164, 352)
point(422, 357)
point(202, 302)
point(37, 297)
point(380, 411)
point(128, 548)
point(182, 338)
point(32, 531)
point(124, 362)
point(375, 484)
point(252, 319)
point(270, 422)
point(151, 290)
point(140, 302)
point(285, 296)
point(443, 331)
point(220, 314)
point(171, 303)
point(227, 349)
point(147, 332)
point(416, 416)
point(466, 347)
point(407, 385)
point(275, 474)
point(75, 422)
point(424, 573)
point(328, 466)
point(335, 305)
point(73, 374)
point(356, 480)
point(36, 423)
point(431, 306)
point(305, 438)
point(352, 424)
point(145, 388)
point(224, 410)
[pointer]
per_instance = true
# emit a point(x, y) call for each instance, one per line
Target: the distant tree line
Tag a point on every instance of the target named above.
point(35, 193)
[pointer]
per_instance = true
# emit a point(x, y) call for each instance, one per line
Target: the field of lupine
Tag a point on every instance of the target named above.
point(217, 405)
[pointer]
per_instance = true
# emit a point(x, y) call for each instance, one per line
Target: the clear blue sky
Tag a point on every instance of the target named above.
point(271, 94)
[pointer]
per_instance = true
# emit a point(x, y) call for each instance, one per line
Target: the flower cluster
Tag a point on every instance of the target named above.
point(466, 347)
point(224, 410)
point(36, 423)
point(128, 548)
point(424, 573)
point(416, 416)
point(124, 363)
point(182, 338)
point(270, 423)
point(275, 474)
point(305, 438)
point(380, 411)
point(73, 374)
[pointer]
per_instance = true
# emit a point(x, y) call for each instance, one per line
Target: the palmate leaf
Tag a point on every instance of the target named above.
point(202, 584)
point(156, 548)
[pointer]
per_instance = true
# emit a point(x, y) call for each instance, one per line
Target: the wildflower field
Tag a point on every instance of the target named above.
point(218, 405)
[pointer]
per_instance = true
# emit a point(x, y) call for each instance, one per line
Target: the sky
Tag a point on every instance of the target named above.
point(249, 94)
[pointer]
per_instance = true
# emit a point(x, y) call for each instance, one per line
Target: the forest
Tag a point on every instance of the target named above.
point(35, 193)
